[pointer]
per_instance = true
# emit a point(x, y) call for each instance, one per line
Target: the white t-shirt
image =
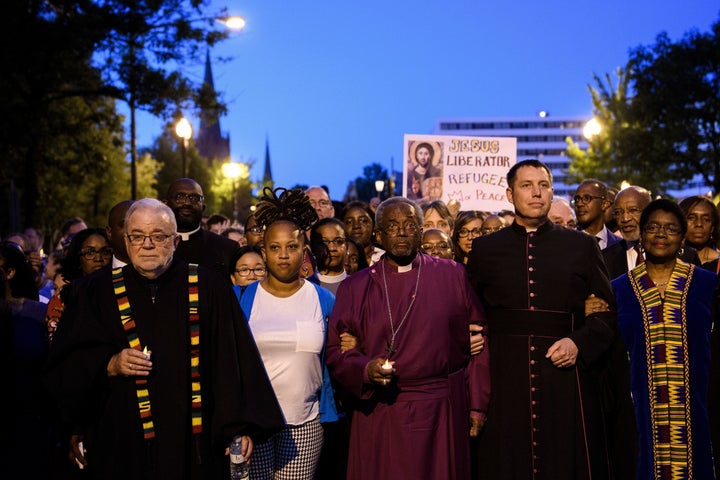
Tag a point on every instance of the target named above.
point(290, 333)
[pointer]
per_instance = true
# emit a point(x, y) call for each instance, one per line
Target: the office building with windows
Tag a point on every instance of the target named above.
point(541, 137)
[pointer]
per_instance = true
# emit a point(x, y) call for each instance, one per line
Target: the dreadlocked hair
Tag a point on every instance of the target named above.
point(283, 204)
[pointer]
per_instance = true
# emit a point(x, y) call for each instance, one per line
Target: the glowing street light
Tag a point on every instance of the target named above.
point(592, 128)
point(183, 129)
point(233, 22)
point(379, 186)
point(233, 171)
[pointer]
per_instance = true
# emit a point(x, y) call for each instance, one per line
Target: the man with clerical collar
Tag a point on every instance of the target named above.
point(197, 245)
point(411, 374)
point(142, 338)
point(545, 419)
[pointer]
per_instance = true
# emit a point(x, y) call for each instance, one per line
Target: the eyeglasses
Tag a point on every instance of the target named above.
point(670, 230)
point(187, 197)
point(394, 228)
point(464, 232)
point(155, 238)
point(338, 242)
point(256, 230)
point(429, 247)
point(90, 253)
point(632, 211)
point(245, 271)
point(320, 203)
point(585, 199)
point(488, 230)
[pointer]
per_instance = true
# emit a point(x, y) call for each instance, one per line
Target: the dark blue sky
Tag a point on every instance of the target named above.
point(335, 85)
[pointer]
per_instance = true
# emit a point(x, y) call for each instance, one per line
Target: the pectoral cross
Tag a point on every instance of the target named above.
point(390, 349)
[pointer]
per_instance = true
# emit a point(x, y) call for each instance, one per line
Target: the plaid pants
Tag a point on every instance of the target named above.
point(291, 454)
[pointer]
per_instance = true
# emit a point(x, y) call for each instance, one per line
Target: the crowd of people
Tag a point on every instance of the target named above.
point(565, 339)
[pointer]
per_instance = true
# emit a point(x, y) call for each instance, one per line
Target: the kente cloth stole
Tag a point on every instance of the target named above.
point(128, 322)
point(668, 367)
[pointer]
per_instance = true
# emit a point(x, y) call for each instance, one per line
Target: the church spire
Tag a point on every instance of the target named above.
point(267, 176)
point(211, 143)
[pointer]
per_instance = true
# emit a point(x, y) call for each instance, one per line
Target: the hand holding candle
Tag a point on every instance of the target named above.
point(386, 371)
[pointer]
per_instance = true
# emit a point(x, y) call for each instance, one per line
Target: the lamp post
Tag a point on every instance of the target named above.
point(232, 22)
point(379, 186)
point(183, 129)
point(233, 171)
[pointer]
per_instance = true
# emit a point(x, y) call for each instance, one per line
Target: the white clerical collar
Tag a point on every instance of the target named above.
point(185, 236)
point(405, 268)
point(332, 278)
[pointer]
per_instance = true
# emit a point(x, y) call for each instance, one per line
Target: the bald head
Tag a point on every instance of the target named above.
point(320, 200)
point(629, 204)
point(185, 199)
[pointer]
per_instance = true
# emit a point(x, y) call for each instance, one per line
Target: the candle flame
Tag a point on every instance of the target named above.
point(387, 365)
point(145, 350)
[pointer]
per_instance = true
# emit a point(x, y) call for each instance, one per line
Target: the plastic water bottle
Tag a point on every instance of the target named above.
point(239, 469)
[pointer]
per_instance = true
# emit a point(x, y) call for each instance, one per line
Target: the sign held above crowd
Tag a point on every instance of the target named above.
point(469, 170)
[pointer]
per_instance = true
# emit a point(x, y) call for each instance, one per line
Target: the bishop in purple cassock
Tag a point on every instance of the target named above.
point(413, 418)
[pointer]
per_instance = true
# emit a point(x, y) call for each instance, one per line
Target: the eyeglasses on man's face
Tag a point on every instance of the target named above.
point(181, 197)
point(246, 271)
point(394, 229)
point(585, 199)
point(156, 238)
point(257, 230)
point(320, 203)
point(90, 253)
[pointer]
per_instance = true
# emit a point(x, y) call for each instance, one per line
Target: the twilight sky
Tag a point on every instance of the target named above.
point(335, 85)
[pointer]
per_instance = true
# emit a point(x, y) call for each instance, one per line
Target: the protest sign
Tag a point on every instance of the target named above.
point(470, 170)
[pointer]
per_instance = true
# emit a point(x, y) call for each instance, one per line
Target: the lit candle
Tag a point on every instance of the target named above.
point(145, 351)
point(386, 365)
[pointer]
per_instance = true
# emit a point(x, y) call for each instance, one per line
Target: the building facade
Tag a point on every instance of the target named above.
point(538, 137)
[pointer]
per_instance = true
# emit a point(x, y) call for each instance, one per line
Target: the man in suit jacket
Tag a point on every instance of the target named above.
point(590, 203)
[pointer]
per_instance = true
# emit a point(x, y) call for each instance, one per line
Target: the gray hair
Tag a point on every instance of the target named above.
point(152, 205)
point(395, 202)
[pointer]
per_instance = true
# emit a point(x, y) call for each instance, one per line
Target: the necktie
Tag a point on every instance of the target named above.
point(640, 258)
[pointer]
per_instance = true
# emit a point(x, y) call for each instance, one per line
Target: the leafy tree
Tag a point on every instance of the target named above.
point(146, 44)
point(608, 157)
point(661, 121)
point(677, 98)
point(75, 55)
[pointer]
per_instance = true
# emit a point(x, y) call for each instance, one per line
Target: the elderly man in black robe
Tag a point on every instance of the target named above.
point(157, 363)
point(545, 420)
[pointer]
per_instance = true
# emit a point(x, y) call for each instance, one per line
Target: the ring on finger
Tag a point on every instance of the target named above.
point(131, 366)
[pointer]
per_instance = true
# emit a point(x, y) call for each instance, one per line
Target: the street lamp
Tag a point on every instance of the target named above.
point(183, 129)
point(379, 186)
point(233, 22)
point(233, 171)
point(591, 128)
